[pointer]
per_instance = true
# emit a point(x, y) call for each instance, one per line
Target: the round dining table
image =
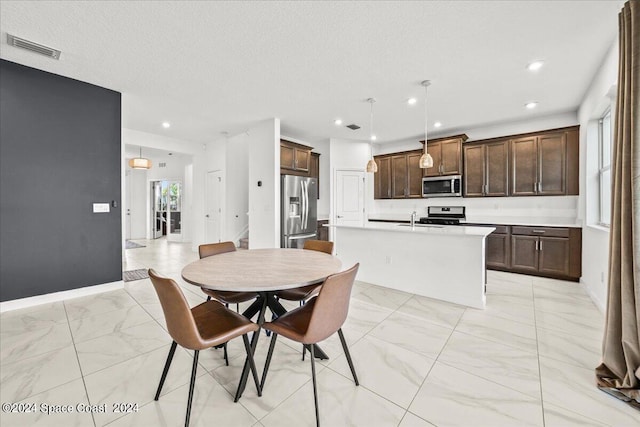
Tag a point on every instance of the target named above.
point(264, 271)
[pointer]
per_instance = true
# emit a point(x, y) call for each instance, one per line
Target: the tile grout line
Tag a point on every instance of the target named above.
point(75, 351)
point(436, 361)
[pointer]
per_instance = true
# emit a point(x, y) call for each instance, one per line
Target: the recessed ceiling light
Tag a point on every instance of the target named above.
point(337, 122)
point(166, 125)
point(535, 65)
point(373, 137)
point(412, 101)
point(531, 105)
point(437, 124)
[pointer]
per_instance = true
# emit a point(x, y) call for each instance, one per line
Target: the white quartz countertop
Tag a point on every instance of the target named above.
point(499, 220)
point(452, 230)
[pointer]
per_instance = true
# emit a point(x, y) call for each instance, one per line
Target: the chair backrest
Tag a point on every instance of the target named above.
point(177, 314)
point(215, 248)
point(331, 306)
point(319, 245)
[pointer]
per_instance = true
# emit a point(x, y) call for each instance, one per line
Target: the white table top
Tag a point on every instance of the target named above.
point(261, 270)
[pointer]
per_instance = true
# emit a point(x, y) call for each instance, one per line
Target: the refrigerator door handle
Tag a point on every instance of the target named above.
point(305, 206)
point(301, 236)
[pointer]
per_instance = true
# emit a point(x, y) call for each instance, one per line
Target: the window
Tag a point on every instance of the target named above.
point(604, 170)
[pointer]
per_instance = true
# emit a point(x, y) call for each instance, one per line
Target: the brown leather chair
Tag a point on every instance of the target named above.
point(203, 326)
point(305, 292)
point(316, 321)
point(225, 297)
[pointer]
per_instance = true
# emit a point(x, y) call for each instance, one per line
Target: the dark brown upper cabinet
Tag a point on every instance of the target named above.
point(447, 155)
point(295, 158)
point(486, 169)
point(399, 176)
point(545, 164)
point(541, 163)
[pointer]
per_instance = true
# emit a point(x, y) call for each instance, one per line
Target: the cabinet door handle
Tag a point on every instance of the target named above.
point(539, 186)
point(538, 231)
point(536, 245)
point(540, 245)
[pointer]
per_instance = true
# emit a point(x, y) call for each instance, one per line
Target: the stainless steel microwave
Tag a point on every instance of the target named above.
point(442, 186)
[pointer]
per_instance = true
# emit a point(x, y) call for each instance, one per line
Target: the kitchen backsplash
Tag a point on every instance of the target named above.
point(551, 208)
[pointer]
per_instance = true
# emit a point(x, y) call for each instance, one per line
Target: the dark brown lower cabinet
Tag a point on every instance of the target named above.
point(524, 253)
point(547, 251)
point(540, 251)
point(323, 232)
point(497, 250)
point(554, 256)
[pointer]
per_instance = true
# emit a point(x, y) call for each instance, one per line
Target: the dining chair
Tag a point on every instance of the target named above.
point(317, 320)
point(305, 292)
point(203, 326)
point(225, 297)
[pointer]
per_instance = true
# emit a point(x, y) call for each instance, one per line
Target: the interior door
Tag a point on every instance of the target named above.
point(213, 213)
point(349, 197)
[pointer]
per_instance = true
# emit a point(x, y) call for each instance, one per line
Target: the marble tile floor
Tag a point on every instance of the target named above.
point(527, 359)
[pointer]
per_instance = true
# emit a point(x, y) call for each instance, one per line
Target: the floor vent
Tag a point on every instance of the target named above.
point(33, 47)
point(353, 127)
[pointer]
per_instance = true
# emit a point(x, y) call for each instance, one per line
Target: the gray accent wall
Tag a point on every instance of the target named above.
point(60, 143)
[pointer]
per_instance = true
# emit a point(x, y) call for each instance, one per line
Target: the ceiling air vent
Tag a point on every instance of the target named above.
point(33, 47)
point(162, 164)
point(353, 127)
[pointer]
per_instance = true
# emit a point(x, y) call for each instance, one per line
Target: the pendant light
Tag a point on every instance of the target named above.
point(140, 162)
point(426, 161)
point(372, 167)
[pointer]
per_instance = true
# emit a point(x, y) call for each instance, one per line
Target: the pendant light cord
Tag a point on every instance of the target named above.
point(426, 84)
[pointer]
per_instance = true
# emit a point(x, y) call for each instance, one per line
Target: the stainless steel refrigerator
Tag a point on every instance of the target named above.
point(299, 217)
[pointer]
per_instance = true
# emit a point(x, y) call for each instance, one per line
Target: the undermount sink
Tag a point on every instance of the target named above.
point(421, 225)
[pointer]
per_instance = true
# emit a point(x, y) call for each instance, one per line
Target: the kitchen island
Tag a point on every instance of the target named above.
point(435, 261)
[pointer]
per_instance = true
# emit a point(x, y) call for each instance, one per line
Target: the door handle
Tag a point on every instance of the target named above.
point(206, 216)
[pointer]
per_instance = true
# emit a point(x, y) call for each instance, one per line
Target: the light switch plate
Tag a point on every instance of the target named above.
point(101, 208)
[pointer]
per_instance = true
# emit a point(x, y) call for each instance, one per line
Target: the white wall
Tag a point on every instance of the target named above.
point(237, 188)
point(264, 200)
point(595, 239)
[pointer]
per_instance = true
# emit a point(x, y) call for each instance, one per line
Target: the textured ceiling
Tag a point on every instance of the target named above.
point(210, 67)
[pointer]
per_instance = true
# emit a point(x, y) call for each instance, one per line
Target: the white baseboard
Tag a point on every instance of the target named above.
point(59, 296)
point(601, 305)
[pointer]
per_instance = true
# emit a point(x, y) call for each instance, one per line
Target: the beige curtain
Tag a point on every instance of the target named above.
point(619, 373)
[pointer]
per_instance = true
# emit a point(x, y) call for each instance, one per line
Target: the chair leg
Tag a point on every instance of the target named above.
point(238, 307)
point(167, 364)
point(252, 363)
point(191, 386)
point(226, 356)
point(315, 387)
point(272, 344)
point(348, 355)
point(304, 351)
point(208, 297)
